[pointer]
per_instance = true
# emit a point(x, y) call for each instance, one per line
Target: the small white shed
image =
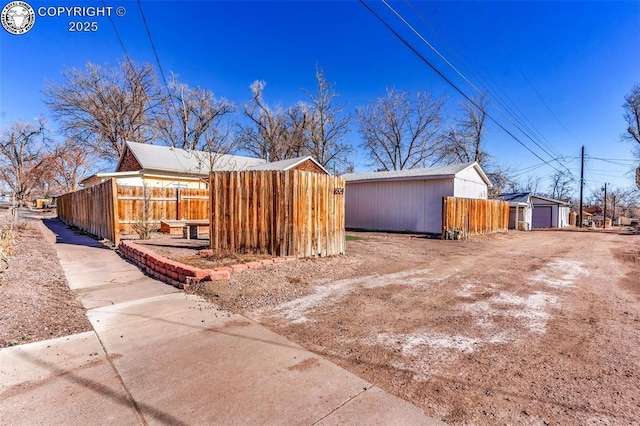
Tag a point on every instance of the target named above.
point(409, 200)
point(549, 213)
point(520, 210)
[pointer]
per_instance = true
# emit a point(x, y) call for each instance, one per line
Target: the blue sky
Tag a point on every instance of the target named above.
point(564, 67)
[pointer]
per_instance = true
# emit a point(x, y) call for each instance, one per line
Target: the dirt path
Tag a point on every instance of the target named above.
point(525, 328)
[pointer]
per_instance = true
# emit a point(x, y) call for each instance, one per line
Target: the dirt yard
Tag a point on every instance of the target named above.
point(520, 328)
point(524, 328)
point(35, 300)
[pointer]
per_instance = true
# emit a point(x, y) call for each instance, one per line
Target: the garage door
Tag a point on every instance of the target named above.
point(541, 217)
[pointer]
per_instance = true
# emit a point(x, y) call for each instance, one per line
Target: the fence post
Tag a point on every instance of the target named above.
point(114, 209)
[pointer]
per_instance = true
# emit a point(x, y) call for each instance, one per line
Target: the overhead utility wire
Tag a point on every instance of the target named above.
point(115, 30)
point(464, 78)
point(155, 52)
point(445, 78)
point(523, 73)
point(512, 109)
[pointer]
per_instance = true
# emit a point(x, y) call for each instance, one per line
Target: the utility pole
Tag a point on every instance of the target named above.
point(604, 216)
point(581, 186)
point(613, 212)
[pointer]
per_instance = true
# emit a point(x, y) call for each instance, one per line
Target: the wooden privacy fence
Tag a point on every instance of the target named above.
point(92, 210)
point(277, 212)
point(464, 216)
point(109, 210)
point(164, 204)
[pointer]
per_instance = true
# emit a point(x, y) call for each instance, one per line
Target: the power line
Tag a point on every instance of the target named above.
point(446, 79)
point(522, 71)
point(115, 30)
point(515, 114)
point(155, 53)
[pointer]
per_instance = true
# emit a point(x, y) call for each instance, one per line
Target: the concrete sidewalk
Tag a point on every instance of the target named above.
point(160, 356)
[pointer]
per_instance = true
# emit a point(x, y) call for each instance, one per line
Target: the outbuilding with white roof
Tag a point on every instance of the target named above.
point(409, 200)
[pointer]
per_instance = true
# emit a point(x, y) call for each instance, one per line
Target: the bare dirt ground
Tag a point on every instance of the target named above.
point(521, 328)
point(35, 300)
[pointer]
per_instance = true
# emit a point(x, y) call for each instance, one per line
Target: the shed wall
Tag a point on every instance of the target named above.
point(403, 205)
point(469, 184)
point(563, 216)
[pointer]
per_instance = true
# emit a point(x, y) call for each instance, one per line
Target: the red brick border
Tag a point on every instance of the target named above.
point(178, 274)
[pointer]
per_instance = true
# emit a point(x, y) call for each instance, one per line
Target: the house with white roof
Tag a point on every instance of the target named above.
point(409, 200)
point(167, 167)
point(527, 211)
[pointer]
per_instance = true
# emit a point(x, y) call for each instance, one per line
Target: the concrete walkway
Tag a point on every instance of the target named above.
point(160, 356)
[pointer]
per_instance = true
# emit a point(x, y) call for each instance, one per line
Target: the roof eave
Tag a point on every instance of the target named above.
point(395, 178)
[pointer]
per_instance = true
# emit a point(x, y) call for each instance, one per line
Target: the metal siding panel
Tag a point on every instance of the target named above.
point(359, 209)
point(434, 191)
point(409, 205)
point(564, 216)
point(388, 200)
point(411, 213)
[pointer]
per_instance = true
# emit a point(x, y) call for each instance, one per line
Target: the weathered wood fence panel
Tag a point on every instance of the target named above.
point(92, 210)
point(165, 204)
point(464, 216)
point(109, 210)
point(277, 212)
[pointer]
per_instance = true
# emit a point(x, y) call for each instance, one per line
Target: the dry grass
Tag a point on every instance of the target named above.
point(7, 240)
point(35, 301)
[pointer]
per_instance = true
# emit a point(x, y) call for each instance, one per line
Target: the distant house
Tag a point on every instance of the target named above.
point(409, 200)
point(549, 213)
point(165, 166)
point(587, 218)
point(520, 210)
point(528, 211)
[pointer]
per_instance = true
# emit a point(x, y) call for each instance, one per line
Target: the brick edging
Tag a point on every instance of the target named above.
point(178, 274)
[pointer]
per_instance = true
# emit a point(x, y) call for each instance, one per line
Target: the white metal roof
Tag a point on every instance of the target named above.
point(177, 160)
point(425, 173)
point(517, 198)
point(287, 164)
point(550, 200)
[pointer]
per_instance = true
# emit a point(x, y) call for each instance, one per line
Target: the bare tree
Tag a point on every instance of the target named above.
point(627, 201)
point(68, 164)
point(190, 115)
point(144, 224)
point(462, 143)
point(631, 108)
point(399, 131)
point(561, 186)
point(530, 185)
point(273, 134)
point(21, 161)
point(327, 126)
point(103, 106)
point(501, 177)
